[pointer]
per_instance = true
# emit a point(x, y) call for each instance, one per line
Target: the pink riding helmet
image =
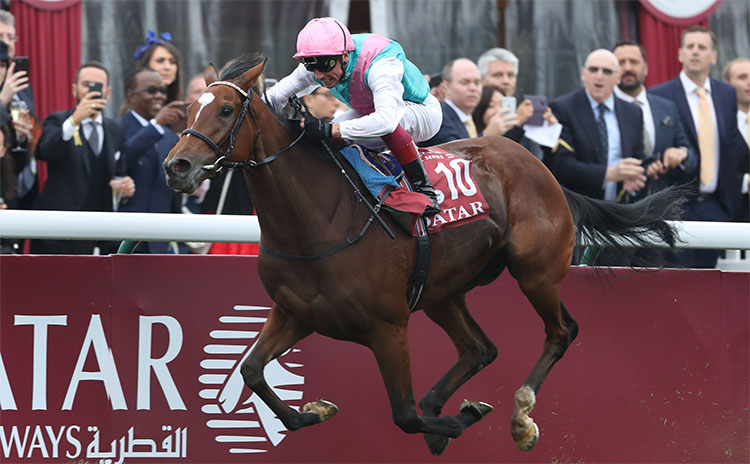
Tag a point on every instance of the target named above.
point(323, 37)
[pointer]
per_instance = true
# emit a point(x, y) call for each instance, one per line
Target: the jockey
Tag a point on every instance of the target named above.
point(390, 98)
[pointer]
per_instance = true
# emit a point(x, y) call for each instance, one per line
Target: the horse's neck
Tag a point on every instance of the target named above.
point(297, 196)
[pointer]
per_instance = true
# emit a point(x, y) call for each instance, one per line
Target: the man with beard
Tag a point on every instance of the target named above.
point(85, 165)
point(664, 139)
point(148, 139)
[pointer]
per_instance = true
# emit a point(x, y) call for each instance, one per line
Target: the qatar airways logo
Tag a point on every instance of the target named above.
point(234, 416)
point(240, 419)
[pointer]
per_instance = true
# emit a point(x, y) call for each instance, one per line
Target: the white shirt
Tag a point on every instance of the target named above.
point(693, 99)
point(648, 117)
point(383, 79)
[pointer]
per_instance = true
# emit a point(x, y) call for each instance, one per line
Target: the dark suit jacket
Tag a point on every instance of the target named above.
point(728, 187)
point(145, 151)
point(450, 129)
point(744, 213)
point(670, 133)
point(583, 169)
point(68, 165)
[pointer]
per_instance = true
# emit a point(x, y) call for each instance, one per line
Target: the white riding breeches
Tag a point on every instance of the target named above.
point(421, 120)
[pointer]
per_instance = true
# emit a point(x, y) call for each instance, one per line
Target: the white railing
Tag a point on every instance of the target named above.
point(128, 226)
point(211, 228)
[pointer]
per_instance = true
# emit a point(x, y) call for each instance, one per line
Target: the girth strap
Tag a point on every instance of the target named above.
point(421, 268)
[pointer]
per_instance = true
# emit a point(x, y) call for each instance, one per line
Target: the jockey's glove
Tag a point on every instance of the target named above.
point(316, 129)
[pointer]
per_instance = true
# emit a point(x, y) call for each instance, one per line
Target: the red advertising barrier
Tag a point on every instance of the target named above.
point(135, 359)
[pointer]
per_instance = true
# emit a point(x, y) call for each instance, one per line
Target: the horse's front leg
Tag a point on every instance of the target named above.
point(390, 345)
point(280, 332)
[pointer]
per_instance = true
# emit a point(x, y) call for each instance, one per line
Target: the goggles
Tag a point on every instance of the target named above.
point(319, 63)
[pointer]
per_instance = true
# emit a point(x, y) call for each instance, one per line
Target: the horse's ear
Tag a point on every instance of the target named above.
point(210, 75)
point(250, 77)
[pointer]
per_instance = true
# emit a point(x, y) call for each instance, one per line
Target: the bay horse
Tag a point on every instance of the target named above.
point(305, 207)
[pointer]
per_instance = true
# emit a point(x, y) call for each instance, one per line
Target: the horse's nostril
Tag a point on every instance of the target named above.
point(179, 166)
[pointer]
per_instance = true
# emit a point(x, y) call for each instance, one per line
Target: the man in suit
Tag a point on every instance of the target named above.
point(601, 145)
point(148, 139)
point(665, 141)
point(737, 73)
point(708, 111)
point(83, 151)
point(463, 88)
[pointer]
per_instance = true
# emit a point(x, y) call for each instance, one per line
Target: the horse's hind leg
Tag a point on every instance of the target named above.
point(280, 332)
point(560, 329)
point(475, 351)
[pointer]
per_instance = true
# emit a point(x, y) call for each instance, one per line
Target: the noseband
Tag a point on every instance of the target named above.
point(222, 160)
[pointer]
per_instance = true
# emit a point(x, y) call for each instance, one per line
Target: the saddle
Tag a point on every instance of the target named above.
point(460, 200)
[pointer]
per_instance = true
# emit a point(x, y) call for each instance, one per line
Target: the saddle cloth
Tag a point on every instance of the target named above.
point(459, 197)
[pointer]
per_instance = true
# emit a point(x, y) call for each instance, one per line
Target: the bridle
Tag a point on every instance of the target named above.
point(222, 160)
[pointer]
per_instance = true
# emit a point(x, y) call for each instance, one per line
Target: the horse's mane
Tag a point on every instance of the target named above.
point(239, 65)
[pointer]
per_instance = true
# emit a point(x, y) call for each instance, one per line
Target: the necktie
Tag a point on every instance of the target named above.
point(646, 139)
point(706, 138)
point(602, 126)
point(471, 128)
point(94, 137)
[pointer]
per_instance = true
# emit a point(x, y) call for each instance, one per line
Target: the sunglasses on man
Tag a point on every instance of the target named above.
point(153, 90)
point(595, 69)
point(319, 63)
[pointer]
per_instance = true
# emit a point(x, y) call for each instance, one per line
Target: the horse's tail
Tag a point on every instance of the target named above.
point(614, 225)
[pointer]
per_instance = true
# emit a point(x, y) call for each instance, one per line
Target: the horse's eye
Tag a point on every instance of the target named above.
point(226, 111)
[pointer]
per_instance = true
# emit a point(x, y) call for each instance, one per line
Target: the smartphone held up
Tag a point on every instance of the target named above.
point(96, 87)
point(22, 64)
point(509, 103)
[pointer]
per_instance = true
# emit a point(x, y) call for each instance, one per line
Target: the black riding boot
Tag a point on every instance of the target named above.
point(418, 177)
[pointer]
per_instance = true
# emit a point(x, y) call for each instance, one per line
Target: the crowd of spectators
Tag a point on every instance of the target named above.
point(615, 140)
point(611, 139)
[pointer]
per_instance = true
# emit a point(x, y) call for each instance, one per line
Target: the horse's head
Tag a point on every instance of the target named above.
point(221, 125)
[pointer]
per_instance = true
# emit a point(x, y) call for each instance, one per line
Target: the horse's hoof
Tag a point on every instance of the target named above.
point(478, 408)
point(436, 443)
point(529, 439)
point(324, 409)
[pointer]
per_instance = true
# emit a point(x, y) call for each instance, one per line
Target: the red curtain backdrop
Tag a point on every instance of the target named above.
point(661, 40)
point(49, 33)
